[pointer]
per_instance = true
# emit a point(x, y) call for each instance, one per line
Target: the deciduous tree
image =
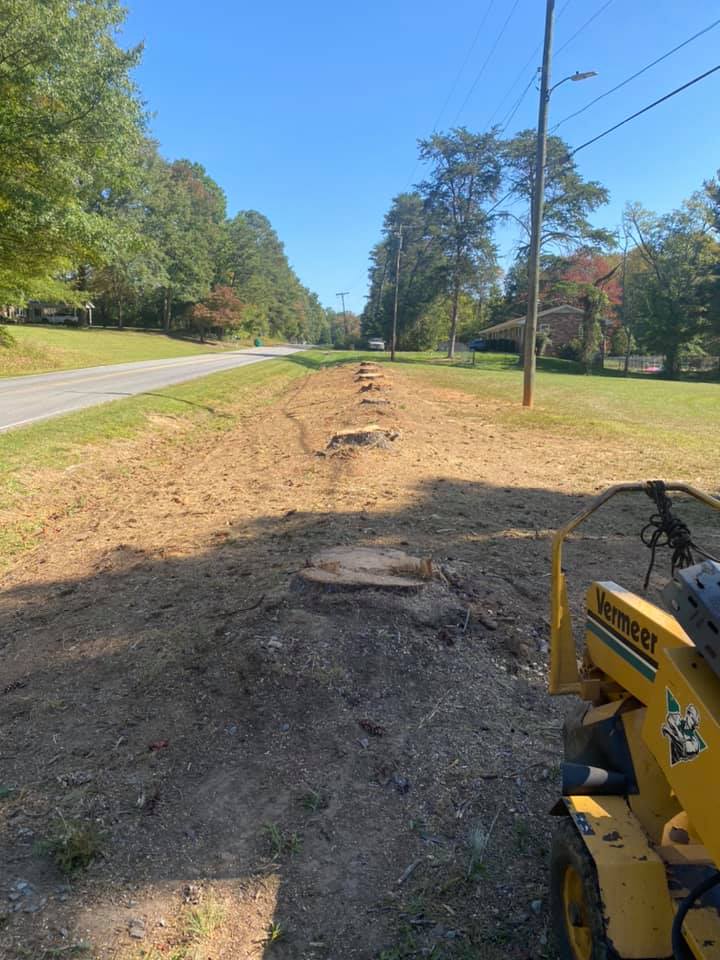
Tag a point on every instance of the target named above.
point(71, 124)
point(672, 295)
point(220, 310)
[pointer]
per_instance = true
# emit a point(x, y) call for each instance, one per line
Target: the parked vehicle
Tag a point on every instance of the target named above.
point(376, 344)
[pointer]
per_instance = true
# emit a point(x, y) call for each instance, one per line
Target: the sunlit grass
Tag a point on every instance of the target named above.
point(40, 349)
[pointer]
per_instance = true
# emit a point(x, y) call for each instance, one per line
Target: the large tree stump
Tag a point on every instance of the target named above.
point(370, 567)
point(373, 435)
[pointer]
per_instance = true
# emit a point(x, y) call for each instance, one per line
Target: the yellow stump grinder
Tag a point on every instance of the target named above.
point(634, 863)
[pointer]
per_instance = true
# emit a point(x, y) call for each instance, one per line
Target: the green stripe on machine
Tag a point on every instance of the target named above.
point(624, 651)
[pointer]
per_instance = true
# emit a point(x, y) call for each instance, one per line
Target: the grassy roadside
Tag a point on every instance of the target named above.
point(42, 349)
point(214, 402)
point(673, 424)
point(658, 427)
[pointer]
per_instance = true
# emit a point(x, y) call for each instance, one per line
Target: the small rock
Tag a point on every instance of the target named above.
point(401, 784)
point(522, 917)
point(162, 922)
point(15, 895)
point(284, 727)
point(132, 903)
point(75, 779)
point(22, 885)
point(274, 645)
point(364, 742)
point(536, 906)
point(191, 893)
point(231, 729)
point(136, 929)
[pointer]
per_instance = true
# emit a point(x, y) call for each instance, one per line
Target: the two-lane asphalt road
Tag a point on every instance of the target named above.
point(24, 400)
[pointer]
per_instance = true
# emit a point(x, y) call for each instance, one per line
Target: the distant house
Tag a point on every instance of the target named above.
point(561, 324)
point(58, 313)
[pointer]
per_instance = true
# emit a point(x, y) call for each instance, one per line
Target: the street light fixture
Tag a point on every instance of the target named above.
point(538, 202)
point(582, 76)
point(575, 77)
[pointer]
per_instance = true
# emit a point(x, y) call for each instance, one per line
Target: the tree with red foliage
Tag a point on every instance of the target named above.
point(586, 266)
point(221, 310)
point(592, 281)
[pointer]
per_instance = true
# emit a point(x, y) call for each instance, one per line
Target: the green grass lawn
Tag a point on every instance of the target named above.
point(41, 349)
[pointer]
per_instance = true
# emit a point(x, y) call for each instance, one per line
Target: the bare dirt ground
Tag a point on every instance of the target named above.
point(274, 771)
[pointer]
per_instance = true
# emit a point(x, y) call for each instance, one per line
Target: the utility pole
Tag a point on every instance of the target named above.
point(397, 288)
point(537, 215)
point(342, 295)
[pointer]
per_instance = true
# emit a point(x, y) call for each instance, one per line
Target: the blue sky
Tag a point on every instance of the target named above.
point(310, 112)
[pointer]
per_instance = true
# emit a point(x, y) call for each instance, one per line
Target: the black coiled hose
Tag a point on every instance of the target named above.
point(664, 529)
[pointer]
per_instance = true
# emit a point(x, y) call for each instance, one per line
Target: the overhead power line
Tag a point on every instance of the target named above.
point(487, 59)
point(650, 106)
point(454, 84)
point(506, 122)
point(464, 64)
point(587, 23)
point(520, 74)
point(634, 76)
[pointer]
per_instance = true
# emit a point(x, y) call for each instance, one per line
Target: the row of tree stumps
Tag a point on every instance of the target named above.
point(359, 566)
point(372, 386)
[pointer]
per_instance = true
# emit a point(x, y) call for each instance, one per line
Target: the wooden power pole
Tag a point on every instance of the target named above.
point(393, 341)
point(537, 215)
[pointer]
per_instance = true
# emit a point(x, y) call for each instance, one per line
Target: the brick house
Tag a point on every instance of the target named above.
point(562, 324)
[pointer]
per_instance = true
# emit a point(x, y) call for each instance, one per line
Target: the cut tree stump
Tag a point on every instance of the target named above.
point(375, 400)
point(357, 567)
point(373, 435)
point(370, 375)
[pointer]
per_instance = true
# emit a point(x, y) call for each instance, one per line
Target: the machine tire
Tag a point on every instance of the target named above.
point(572, 868)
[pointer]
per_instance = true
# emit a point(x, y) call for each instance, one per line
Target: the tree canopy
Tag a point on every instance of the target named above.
point(660, 293)
point(71, 125)
point(89, 208)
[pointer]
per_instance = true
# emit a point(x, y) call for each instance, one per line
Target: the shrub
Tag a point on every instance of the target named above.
point(570, 351)
point(6, 338)
point(73, 845)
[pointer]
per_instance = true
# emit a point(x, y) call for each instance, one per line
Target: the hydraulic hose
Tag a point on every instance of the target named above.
point(679, 945)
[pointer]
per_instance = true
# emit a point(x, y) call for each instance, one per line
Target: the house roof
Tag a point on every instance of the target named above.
point(520, 321)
